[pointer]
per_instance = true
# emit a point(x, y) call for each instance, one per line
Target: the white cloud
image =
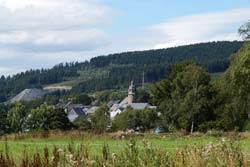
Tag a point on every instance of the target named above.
point(54, 41)
point(52, 14)
point(13, 61)
point(53, 25)
point(9, 71)
point(200, 28)
point(42, 33)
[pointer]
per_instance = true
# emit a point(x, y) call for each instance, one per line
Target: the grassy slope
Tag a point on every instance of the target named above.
point(84, 75)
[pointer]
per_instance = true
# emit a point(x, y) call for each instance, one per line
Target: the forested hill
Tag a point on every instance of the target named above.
point(116, 70)
point(213, 56)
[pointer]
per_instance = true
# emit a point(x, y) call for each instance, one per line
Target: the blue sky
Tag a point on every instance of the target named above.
point(141, 13)
point(160, 10)
point(42, 33)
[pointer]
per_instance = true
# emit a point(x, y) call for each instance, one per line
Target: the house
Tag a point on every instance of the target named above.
point(113, 102)
point(114, 113)
point(77, 110)
point(74, 113)
point(69, 106)
point(92, 110)
point(128, 102)
point(29, 95)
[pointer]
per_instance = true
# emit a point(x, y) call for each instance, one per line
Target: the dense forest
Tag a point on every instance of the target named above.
point(115, 71)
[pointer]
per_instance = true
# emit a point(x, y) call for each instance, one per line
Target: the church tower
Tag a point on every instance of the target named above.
point(131, 93)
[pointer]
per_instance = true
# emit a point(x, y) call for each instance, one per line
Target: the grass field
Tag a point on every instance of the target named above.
point(169, 142)
point(178, 146)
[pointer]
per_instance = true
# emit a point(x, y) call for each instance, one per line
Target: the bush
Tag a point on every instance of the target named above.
point(246, 126)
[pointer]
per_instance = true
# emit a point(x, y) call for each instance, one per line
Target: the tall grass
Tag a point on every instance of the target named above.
point(226, 153)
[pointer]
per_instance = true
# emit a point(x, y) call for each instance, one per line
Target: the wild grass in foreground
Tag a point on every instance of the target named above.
point(226, 153)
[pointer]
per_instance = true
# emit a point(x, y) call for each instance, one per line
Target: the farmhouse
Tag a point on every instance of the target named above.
point(80, 111)
point(74, 113)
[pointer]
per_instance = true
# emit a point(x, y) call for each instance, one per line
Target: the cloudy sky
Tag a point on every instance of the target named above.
point(42, 33)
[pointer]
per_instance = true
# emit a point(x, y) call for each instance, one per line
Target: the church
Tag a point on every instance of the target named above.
point(118, 108)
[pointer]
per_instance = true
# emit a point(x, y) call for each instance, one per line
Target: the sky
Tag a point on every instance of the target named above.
point(38, 34)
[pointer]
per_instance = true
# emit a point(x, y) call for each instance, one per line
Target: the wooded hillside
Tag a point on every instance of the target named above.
point(116, 70)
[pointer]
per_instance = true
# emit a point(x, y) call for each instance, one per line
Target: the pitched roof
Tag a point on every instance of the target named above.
point(124, 102)
point(71, 106)
point(112, 102)
point(29, 94)
point(79, 111)
point(139, 106)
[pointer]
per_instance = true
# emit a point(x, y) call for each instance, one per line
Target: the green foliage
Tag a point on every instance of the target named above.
point(124, 67)
point(246, 126)
point(10, 86)
point(116, 71)
point(3, 119)
point(235, 91)
point(82, 99)
point(100, 119)
point(51, 99)
point(83, 123)
point(142, 96)
point(17, 117)
point(48, 118)
point(146, 119)
point(185, 98)
point(244, 31)
point(107, 95)
point(141, 153)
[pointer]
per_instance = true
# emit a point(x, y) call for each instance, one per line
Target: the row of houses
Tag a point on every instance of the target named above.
point(77, 110)
point(115, 106)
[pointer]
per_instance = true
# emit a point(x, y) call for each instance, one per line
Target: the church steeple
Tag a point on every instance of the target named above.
point(131, 93)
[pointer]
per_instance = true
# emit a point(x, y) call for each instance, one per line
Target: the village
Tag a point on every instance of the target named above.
point(75, 111)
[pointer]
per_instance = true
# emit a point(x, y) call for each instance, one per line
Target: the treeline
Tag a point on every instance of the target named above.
point(24, 117)
point(212, 56)
point(121, 68)
point(156, 64)
point(10, 86)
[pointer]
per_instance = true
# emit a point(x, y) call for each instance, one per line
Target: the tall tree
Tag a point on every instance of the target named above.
point(17, 117)
point(244, 31)
point(47, 117)
point(101, 119)
point(3, 119)
point(235, 87)
point(186, 97)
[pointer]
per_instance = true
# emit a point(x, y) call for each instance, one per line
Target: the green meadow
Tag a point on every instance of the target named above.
point(171, 143)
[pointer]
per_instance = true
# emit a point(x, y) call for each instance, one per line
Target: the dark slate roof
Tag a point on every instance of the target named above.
point(29, 94)
point(79, 111)
point(71, 106)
